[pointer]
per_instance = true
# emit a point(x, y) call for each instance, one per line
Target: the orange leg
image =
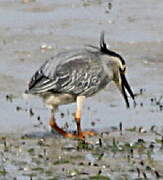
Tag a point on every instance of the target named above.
point(53, 124)
point(80, 133)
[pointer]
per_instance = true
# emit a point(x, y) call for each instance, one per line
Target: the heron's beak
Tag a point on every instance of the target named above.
point(125, 86)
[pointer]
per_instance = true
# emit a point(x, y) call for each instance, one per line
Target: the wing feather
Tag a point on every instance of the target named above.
point(73, 73)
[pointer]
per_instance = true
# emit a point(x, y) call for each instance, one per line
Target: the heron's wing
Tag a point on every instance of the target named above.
point(83, 76)
point(41, 81)
point(80, 74)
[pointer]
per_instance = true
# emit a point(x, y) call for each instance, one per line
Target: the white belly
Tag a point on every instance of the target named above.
point(53, 100)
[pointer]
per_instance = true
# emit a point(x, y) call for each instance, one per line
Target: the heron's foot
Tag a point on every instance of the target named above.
point(54, 126)
point(87, 133)
point(75, 136)
point(81, 135)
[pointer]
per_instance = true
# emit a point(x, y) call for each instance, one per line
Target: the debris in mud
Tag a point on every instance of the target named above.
point(18, 108)
point(142, 130)
point(45, 47)
point(42, 142)
point(100, 142)
point(65, 126)
point(9, 97)
point(120, 128)
point(140, 93)
point(31, 113)
point(40, 123)
point(109, 7)
point(129, 153)
point(73, 172)
point(141, 104)
point(62, 115)
point(93, 123)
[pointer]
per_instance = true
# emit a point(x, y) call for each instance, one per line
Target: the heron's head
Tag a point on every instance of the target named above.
point(118, 69)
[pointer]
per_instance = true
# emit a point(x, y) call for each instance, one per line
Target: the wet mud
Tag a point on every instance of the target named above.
point(129, 142)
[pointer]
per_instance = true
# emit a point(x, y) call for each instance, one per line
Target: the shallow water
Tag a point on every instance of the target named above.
point(132, 28)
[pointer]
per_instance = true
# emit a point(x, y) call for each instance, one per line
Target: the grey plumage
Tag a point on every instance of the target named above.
point(76, 72)
point(80, 72)
point(73, 75)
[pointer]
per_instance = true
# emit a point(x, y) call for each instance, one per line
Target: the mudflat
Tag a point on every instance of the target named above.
point(32, 31)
